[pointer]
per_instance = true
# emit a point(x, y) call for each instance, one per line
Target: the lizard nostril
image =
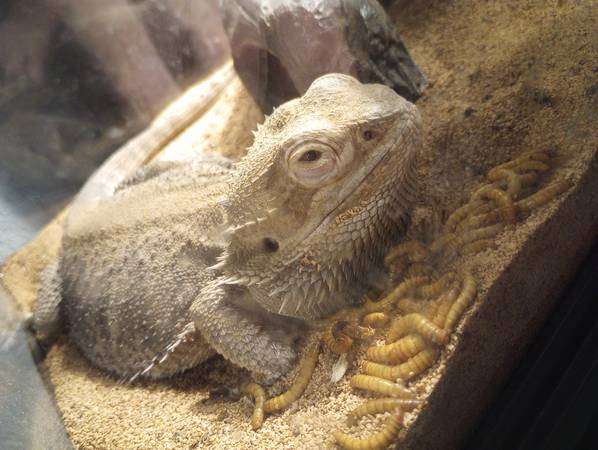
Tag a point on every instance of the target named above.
point(270, 245)
point(368, 135)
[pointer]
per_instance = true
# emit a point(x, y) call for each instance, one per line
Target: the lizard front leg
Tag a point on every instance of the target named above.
point(242, 336)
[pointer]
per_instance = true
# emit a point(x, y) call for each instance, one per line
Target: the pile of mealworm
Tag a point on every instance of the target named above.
point(421, 311)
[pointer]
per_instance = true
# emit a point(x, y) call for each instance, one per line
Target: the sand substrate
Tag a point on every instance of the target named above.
point(506, 77)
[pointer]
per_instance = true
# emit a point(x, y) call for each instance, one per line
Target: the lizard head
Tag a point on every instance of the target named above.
point(320, 196)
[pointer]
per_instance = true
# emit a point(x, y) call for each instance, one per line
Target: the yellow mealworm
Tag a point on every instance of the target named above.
point(378, 441)
point(337, 343)
point(415, 251)
point(419, 270)
point(434, 289)
point(341, 328)
point(397, 267)
point(539, 155)
point(484, 213)
point(460, 214)
point(407, 370)
point(411, 305)
point(380, 405)
point(477, 246)
point(440, 243)
point(380, 386)
point(306, 369)
point(481, 233)
point(431, 308)
point(531, 165)
point(333, 337)
point(259, 397)
point(469, 235)
point(483, 208)
point(417, 323)
point(480, 220)
point(512, 179)
point(528, 178)
point(400, 350)
point(444, 305)
point(380, 370)
point(505, 204)
point(533, 155)
point(375, 320)
point(356, 331)
point(418, 364)
point(543, 196)
point(400, 291)
point(464, 299)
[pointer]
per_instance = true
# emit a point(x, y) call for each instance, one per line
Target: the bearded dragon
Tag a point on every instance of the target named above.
point(238, 258)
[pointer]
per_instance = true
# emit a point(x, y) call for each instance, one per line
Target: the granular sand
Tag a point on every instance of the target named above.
point(506, 77)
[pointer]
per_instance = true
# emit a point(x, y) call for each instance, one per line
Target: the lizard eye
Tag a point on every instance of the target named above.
point(313, 164)
point(310, 155)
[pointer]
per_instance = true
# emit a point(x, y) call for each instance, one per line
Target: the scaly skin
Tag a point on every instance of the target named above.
point(239, 258)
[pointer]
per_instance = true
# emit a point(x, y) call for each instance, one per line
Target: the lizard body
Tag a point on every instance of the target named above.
point(239, 258)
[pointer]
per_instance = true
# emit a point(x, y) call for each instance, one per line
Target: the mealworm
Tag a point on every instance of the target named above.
point(377, 441)
point(477, 246)
point(483, 208)
point(306, 369)
point(540, 155)
point(529, 165)
point(418, 364)
point(431, 308)
point(453, 242)
point(380, 386)
point(341, 328)
point(400, 350)
point(533, 155)
point(380, 370)
point(434, 289)
point(528, 178)
point(411, 305)
point(505, 204)
point(420, 270)
point(543, 196)
point(259, 397)
point(512, 179)
point(480, 220)
point(337, 343)
point(397, 268)
point(440, 243)
point(334, 339)
point(400, 291)
point(356, 331)
point(405, 371)
point(415, 251)
point(444, 305)
point(416, 323)
point(465, 298)
point(460, 214)
point(484, 211)
point(379, 406)
point(375, 320)
point(481, 233)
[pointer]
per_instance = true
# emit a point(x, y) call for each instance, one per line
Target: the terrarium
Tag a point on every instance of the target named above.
point(296, 224)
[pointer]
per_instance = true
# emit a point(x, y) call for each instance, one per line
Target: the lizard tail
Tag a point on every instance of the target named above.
point(172, 121)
